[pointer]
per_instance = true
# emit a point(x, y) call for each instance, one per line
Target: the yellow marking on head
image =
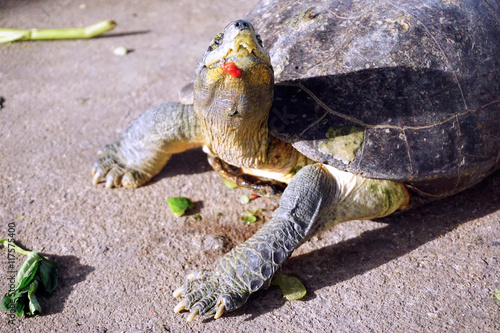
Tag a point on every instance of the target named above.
point(214, 75)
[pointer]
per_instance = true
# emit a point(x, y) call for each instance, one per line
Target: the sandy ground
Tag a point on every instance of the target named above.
point(122, 253)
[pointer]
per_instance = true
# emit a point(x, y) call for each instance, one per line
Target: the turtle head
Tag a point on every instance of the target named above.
point(237, 43)
point(233, 91)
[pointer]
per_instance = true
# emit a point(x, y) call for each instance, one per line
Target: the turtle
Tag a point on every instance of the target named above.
point(378, 106)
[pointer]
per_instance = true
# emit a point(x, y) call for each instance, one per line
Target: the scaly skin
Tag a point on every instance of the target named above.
point(229, 117)
point(304, 209)
point(147, 145)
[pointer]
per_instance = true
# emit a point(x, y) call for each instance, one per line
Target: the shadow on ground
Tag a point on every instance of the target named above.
point(190, 162)
point(71, 272)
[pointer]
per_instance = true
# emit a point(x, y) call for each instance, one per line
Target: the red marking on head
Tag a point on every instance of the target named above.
point(231, 69)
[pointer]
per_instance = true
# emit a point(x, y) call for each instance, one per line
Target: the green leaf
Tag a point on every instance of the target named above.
point(497, 293)
point(35, 271)
point(6, 301)
point(179, 205)
point(20, 305)
point(248, 217)
point(251, 216)
point(47, 272)
point(229, 184)
point(290, 286)
point(34, 306)
point(28, 270)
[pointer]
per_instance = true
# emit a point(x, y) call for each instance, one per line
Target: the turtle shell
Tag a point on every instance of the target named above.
point(399, 90)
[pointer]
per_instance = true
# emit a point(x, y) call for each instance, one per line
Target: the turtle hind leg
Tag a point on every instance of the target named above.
point(361, 198)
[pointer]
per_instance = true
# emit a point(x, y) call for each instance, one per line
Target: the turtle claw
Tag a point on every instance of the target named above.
point(208, 293)
point(109, 182)
point(127, 180)
point(196, 275)
point(177, 292)
point(99, 171)
point(220, 311)
point(97, 176)
point(193, 314)
point(112, 169)
point(181, 306)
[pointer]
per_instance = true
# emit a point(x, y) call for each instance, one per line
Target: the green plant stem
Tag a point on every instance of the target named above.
point(5, 243)
point(10, 35)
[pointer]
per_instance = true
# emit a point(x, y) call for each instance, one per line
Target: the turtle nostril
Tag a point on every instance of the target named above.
point(242, 25)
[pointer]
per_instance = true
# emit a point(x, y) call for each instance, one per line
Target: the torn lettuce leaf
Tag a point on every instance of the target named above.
point(36, 274)
point(179, 205)
point(290, 286)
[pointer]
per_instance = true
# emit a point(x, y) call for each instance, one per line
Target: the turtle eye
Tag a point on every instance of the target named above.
point(259, 40)
point(216, 42)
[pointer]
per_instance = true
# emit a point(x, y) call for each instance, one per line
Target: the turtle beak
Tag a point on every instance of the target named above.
point(239, 42)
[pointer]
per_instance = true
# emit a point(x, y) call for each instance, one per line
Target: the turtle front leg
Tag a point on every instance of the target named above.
point(147, 145)
point(304, 208)
point(317, 197)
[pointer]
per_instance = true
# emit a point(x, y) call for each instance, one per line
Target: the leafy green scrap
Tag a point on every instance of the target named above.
point(36, 274)
point(179, 205)
point(229, 184)
point(290, 286)
point(251, 216)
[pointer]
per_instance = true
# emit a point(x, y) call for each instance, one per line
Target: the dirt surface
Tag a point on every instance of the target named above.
point(122, 253)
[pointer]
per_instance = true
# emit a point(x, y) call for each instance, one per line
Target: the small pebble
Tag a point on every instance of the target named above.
point(120, 51)
point(216, 245)
point(244, 199)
